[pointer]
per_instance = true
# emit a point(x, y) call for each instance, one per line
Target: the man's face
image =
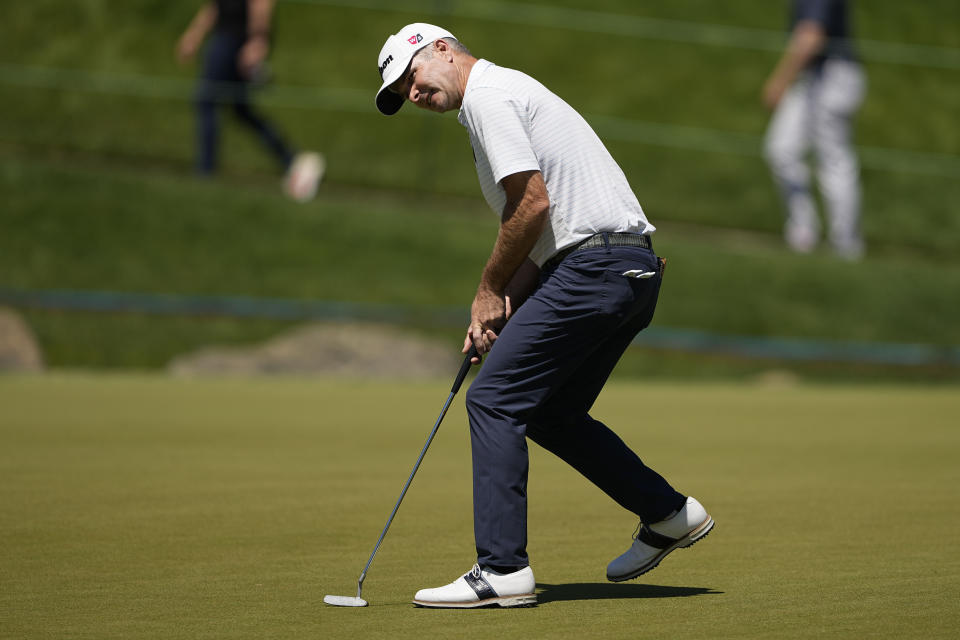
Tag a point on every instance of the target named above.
point(431, 82)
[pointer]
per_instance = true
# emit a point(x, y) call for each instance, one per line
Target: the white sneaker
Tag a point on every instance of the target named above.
point(482, 587)
point(800, 239)
point(653, 542)
point(851, 251)
point(304, 176)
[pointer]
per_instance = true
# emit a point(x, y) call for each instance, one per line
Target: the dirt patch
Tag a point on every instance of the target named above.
point(19, 350)
point(329, 349)
point(777, 378)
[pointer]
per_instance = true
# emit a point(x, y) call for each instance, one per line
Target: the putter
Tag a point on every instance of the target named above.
point(347, 601)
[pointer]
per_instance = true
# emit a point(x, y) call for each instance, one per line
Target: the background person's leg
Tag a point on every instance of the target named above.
point(208, 136)
point(786, 145)
point(216, 81)
point(840, 94)
point(267, 134)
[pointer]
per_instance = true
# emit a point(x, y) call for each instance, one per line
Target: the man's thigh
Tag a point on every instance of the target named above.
point(789, 130)
point(565, 326)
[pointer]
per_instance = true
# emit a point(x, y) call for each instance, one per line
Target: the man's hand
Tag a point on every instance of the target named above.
point(255, 49)
point(252, 56)
point(187, 47)
point(524, 217)
point(773, 91)
point(521, 286)
point(488, 314)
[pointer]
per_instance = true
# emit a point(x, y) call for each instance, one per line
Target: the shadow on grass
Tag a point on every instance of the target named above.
point(608, 591)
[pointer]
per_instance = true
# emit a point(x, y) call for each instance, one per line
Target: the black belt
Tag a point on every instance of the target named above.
point(599, 241)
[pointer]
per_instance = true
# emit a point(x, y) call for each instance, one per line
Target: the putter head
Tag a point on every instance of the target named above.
point(345, 601)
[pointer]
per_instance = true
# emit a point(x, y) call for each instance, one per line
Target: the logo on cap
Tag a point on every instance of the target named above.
point(415, 39)
point(385, 63)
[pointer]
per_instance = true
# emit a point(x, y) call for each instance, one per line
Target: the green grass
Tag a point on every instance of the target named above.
point(146, 507)
point(677, 83)
point(163, 232)
point(97, 193)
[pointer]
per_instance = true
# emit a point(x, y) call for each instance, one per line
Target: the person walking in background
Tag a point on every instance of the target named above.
point(815, 90)
point(235, 59)
point(572, 278)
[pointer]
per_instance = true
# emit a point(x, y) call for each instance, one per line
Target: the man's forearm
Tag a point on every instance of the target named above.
point(523, 220)
point(259, 13)
point(806, 42)
point(203, 21)
point(523, 283)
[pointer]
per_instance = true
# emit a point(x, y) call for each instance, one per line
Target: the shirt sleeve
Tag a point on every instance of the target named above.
point(814, 10)
point(501, 125)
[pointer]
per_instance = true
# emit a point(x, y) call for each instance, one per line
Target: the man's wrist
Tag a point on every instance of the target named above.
point(487, 289)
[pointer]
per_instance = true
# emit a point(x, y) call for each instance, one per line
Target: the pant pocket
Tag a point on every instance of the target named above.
point(627, 292)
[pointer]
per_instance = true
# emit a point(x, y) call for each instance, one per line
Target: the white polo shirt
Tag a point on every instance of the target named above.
point(516, 124)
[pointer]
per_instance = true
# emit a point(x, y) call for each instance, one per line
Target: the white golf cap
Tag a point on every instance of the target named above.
point(396, 54)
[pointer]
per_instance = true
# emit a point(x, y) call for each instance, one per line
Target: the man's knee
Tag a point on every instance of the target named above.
point(549, 428)
point(243, 112)
point(480, 399)
point(539, 433)
point(204, 104)
point(780, 153)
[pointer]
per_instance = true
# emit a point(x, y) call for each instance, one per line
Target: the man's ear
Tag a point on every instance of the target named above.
point(441, 47)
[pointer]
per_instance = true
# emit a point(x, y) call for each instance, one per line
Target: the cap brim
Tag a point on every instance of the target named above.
point(388, 102)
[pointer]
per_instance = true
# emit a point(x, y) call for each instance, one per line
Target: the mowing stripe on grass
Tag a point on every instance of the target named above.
point(640, 27)
point(355, 101)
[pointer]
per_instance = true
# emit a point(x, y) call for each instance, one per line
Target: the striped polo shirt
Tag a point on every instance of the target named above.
point(516, 124)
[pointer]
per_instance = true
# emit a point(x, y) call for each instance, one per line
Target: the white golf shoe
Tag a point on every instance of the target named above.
point(482, 587)
point(304, 176)
point(653, 542)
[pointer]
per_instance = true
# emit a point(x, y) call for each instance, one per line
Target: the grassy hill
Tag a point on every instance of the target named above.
point(96, 147)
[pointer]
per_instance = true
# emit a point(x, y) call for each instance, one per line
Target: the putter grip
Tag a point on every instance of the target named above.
point(464, 369)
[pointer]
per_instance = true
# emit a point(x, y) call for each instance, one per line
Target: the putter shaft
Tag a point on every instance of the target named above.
point(461, 375)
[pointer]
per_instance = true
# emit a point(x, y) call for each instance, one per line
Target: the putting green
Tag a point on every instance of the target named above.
point(149, 507)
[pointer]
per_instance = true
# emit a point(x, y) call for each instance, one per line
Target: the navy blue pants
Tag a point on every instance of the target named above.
point(540, 380)
point(221, 83)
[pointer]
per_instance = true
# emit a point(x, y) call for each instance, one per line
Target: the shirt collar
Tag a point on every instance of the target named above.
point(479, 68)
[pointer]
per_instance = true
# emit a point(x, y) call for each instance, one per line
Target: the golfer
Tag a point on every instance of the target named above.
point(571, 280)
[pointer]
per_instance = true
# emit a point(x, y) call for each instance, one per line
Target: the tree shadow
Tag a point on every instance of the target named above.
point(611, 591)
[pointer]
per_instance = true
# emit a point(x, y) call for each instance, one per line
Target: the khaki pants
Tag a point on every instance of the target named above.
point(817, 112)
